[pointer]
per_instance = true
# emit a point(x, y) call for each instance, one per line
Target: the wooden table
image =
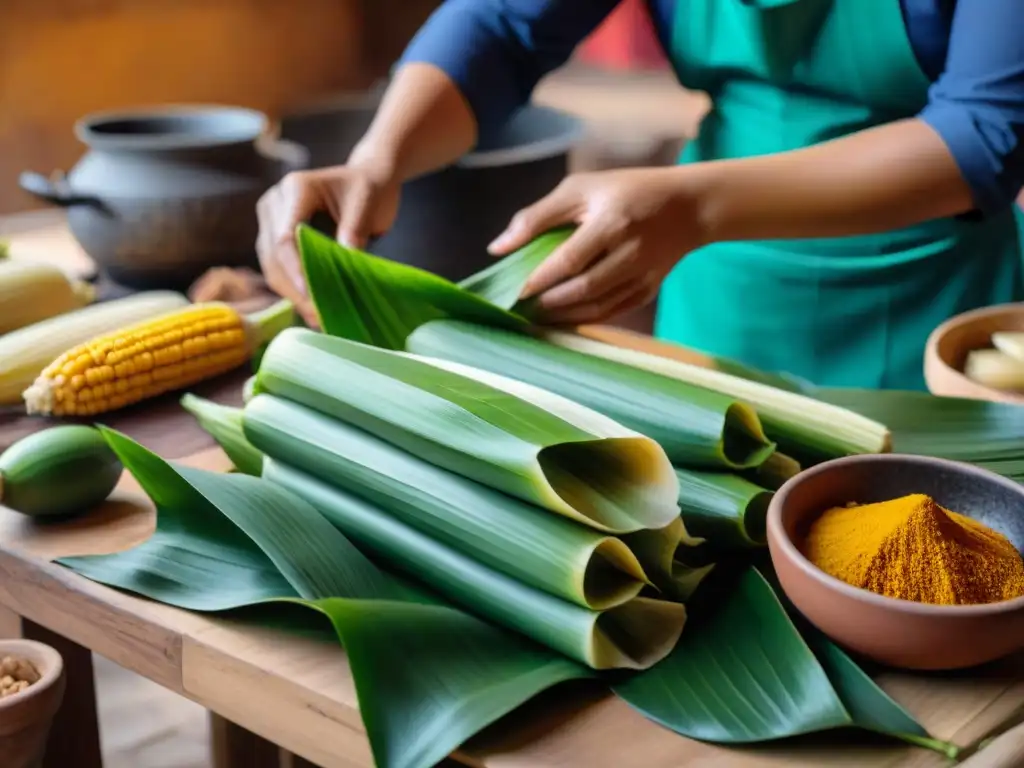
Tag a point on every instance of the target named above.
point(299, 694)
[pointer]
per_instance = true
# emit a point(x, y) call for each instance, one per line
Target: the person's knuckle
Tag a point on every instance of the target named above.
point(523, 218)
point(576, 258)
point(585, 285)
point(616, 224)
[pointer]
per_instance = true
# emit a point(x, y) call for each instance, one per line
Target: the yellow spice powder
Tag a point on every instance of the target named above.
point(913, 549)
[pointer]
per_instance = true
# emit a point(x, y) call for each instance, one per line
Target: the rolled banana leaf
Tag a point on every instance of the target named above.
point(634, 635)
point(802, 426)
point(664, 556)
point(775, 472)
point(224, 424)
point(249, 388)
point(526, 442)
point(527, 543)
point(427, 676)
point(724, 509)
point(695, 426)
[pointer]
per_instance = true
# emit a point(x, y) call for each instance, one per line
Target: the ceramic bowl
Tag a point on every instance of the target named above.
point(949, 344)
point(898, 633)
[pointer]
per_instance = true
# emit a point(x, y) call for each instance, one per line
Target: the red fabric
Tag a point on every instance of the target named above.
point(626, 40)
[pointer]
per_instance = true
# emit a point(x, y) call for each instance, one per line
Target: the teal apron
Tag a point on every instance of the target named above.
point(854, 311)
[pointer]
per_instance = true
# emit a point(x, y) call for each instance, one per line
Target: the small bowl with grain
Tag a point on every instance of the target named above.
point(978, 355)
point(899, 632)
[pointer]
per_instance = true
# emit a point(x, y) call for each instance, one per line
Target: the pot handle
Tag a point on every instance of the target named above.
point(54, 190)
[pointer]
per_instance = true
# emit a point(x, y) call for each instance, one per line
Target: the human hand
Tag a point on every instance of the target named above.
point(361, 199)
point(634, 226)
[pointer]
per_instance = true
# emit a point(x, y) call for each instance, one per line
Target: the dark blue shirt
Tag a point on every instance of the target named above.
point(973, 50)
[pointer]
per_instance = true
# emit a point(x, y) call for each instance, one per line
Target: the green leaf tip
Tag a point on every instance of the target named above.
point(503, 282)
point(224, 424)
point(376, 301)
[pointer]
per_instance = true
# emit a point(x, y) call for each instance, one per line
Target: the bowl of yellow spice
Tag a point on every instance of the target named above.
point(911, 561)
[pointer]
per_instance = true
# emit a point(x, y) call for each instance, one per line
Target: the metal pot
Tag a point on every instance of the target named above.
point(447, 218)
point(163, 194)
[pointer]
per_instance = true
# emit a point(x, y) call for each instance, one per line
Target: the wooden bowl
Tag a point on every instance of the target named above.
point(898, 633)
point(948, 345)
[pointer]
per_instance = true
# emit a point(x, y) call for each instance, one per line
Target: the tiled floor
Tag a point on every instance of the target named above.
point(145, 726)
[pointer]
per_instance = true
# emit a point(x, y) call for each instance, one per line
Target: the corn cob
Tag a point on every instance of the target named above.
point(25, 352)
point(32, 292)
point(161, 355)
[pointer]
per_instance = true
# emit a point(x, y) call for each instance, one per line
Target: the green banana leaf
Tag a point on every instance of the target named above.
point(528, 443)
point(747, 676)
point(380, 302)
point(633, 635)
point(868, 706)
point(224, 424)
point(529, 544)
point(502, 282)
point(695, 426)
point(725, 509)
point(990, 435)
point(427, 676)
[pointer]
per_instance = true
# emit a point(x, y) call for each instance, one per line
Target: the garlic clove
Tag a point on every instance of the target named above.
point(1009, 343)
point(994, 368)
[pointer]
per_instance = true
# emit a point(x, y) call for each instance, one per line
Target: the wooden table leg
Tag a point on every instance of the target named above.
point(235, 747)
point(75, 734)
point(289, 760)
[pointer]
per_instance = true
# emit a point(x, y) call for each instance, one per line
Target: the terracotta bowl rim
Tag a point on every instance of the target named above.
point(788, 549)
point(964, 318)
point(32, 651)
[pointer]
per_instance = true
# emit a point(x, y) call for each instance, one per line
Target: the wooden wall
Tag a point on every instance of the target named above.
point(60, 59)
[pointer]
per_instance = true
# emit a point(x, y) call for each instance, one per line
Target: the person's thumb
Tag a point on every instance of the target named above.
point(531, 222)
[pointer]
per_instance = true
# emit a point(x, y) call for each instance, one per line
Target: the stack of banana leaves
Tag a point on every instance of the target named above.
point(481, 510)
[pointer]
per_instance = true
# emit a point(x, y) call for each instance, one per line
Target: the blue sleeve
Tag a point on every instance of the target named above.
point(497, 50)
point(977, 104)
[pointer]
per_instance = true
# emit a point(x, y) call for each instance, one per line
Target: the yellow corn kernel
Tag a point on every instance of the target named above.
point(174, 351)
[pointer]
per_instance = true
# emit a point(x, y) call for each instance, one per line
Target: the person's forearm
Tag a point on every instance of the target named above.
point(872, 181)
point(422, 124)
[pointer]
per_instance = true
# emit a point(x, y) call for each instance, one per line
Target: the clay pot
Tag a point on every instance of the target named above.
point(25, 717)
point(163, 194)
point(949, 344)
